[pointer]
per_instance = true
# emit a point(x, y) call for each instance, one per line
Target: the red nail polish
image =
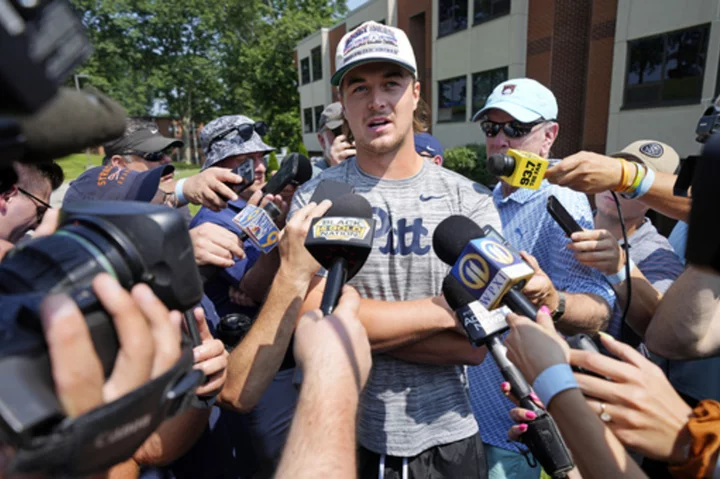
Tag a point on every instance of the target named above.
point(530, 415)
point(545, 310)
point(523, 427)
point(505, 386)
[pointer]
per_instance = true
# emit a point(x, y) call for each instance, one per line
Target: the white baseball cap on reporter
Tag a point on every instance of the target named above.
point(524, 99)
point(373, 42)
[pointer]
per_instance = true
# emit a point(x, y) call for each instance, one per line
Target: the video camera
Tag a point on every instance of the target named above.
point(43, 42)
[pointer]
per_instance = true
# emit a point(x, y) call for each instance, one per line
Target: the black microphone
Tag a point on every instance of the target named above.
point(70, 122)
point(543, 437)
point(341, 242)
point(454, 235)
point(295, 170)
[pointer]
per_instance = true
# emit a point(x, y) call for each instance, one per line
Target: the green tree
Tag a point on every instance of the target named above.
point(471, 162)
point(273, 164)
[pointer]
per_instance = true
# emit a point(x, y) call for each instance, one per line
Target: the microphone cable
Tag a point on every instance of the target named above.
point(628, 282)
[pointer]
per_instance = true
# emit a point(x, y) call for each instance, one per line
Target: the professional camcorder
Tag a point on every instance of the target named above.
point(133, 242)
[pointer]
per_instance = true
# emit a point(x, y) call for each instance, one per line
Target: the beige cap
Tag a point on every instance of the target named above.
point(655, 155)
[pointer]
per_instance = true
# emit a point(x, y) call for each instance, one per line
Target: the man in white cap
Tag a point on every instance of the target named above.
point(521, 114)
point(414, 419)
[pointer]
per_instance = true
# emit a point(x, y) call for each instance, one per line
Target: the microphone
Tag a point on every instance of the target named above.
point(485, 264)
point(257, 224)
point(295, 170)
point(518, 168)
point(542, 437)
point(70, 122)
point(341, 242)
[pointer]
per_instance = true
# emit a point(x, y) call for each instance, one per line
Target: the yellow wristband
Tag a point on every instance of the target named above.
point(641, 172)
point(624, 176)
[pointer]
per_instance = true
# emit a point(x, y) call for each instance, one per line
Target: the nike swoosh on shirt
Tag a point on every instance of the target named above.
point(428, 198)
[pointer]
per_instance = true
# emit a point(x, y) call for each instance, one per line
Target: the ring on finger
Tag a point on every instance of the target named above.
point(604, 415)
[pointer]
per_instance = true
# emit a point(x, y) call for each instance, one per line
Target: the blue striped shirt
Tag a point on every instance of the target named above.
point(528, 226)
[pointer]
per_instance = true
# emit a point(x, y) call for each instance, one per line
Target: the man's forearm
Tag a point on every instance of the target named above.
point(444, 348)
point(660, 197)
point(596, 450)
point(173, 438)
point(686, 324)
point(584, 313)
point(392, 324)
point(255, 361)
point(257, 281)
point(322, 441)
point(645, 300)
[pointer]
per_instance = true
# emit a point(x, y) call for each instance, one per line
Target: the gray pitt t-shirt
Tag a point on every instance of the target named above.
point(407, 408)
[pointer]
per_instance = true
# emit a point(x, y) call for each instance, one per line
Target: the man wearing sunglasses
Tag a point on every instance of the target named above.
point(23, 205)
point(521, 114)
point(336, 146)
point(141, 147)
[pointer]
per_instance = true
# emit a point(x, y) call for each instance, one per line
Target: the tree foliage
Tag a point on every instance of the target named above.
point(471, 162)
point(200, 60)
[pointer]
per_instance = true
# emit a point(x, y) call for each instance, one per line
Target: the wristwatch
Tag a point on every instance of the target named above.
point(560, 310)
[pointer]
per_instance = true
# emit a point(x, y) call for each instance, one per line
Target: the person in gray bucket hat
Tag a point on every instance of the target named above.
point(230, 140)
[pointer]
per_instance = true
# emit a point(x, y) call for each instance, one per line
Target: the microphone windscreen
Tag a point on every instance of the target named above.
point(455, 294)
point(452, 235)
point(304, 171)
point(71, 122)
point(350, 205)
point(501, 165)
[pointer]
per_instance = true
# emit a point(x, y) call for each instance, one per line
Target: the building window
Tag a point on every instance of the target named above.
point(305, 70)
point(318, 112)
point(666, 69)
point(483, 84)
point(308, 120)
point(452, 16)
point(451, 101)
point(316, 64)
point(485, 10)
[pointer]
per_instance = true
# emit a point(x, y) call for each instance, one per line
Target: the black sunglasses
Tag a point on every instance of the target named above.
point(512, 129)
point(245, 131)
point(39, 209)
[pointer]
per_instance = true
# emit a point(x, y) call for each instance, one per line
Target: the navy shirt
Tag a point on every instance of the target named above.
point(217, 287)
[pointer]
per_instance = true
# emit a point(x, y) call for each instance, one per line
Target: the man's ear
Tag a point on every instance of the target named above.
point(5, 198)
point(416, 94)
point(118, 161)
point(438, 160)
point(551, 133)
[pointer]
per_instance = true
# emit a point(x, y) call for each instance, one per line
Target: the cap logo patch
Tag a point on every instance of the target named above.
point(153, 131)
point(508, 90)
point(375, 38)
point(653, 150)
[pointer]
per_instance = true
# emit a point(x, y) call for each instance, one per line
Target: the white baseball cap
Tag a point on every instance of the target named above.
point(524, 99)
point(373, 42)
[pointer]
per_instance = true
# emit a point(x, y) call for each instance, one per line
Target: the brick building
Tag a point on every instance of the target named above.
point(621, 69)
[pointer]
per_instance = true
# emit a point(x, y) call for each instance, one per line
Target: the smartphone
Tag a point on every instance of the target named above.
point(330, 190)
point(247, 171)
point(561, 216)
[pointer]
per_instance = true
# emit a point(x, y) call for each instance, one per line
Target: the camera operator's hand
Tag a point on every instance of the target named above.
point(647, 415)
point(208, 188)
point(341, 150)
point(335, 347)
point(149, 337)
point(215, 245)
point(598, 249)
point(535, 346)
point(210, 357)
point(586, 172)
point(295, 260)
point(539, 289)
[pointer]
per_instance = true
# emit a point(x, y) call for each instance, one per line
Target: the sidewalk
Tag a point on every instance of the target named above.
point(58, 195)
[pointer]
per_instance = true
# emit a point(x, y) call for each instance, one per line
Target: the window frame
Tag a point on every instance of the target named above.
point(493, 16)
point(467, 19)
point(317, 49)
point(473, 108)
point(706, 29)
point(307, 131)
point(305, 60)
point(439, 98)
point(317, 113)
